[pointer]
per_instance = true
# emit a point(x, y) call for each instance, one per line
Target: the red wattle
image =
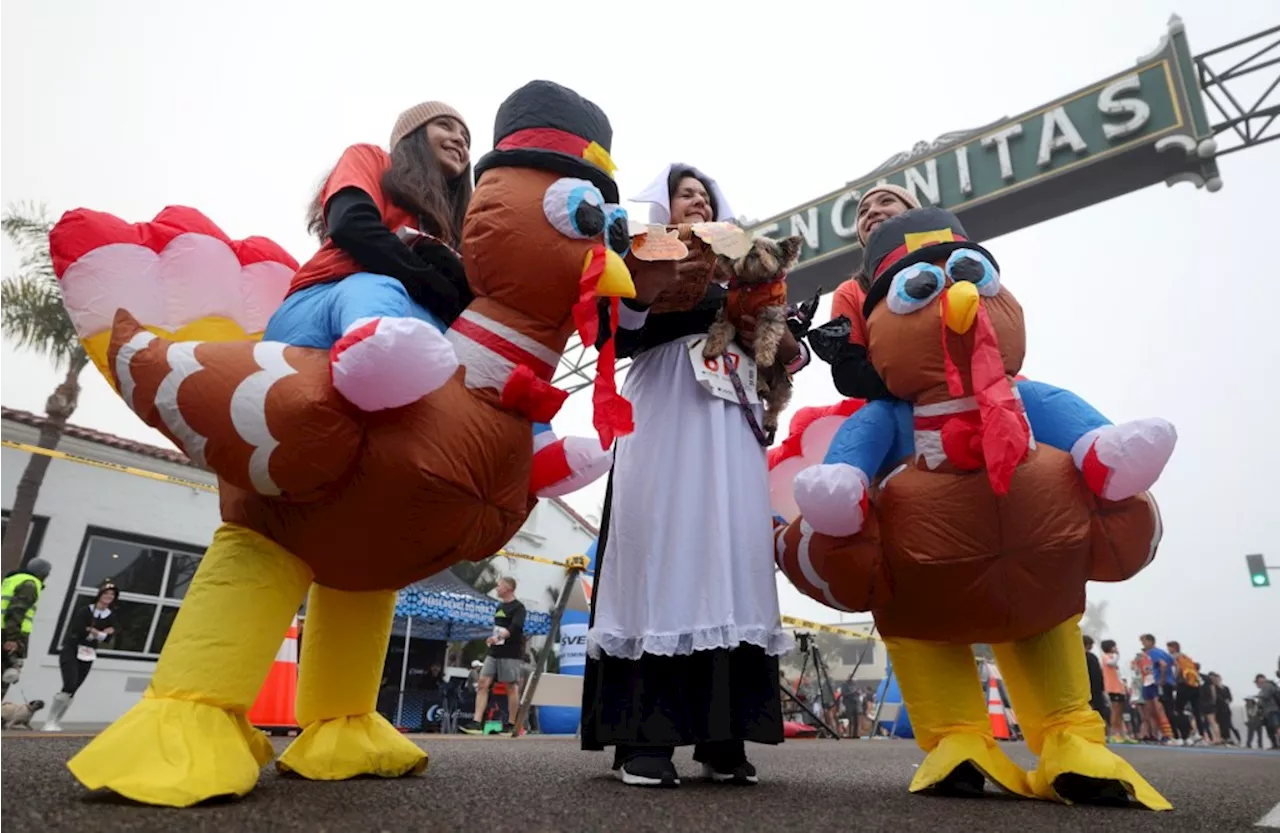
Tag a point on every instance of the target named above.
point(962, 443)
point(1005, 433)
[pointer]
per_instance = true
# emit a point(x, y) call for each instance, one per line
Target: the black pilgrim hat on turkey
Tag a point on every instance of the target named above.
point(921, 235)
point(546, 126)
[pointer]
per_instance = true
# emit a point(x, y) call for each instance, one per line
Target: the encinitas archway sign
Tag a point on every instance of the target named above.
point(1138, 127)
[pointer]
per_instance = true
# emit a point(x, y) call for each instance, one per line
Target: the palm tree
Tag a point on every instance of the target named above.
point(553, 662)
point(35, 319)
point(482, 575)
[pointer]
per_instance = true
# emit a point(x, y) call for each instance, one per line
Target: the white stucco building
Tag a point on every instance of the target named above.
point(94, 523)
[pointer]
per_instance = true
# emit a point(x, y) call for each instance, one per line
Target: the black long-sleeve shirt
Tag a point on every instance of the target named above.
point(82, 619)
point(432, 277)
point(664, 327)
point(851, 369)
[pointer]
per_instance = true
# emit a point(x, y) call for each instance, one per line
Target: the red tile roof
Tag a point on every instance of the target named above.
point(572, 513)
point(79, 432)
point(171, 456)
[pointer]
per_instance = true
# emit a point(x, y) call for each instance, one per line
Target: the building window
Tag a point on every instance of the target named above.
point(153, 577)
point(35, 534)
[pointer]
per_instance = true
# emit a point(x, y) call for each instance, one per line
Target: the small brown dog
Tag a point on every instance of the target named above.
point(758, 287)
point(18, 715)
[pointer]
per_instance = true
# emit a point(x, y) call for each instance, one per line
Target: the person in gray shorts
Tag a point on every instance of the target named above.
point(503, 663)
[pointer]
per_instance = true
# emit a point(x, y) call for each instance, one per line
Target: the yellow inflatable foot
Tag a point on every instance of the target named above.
point(174, 753)
point(954, 764)
point(1078, 771)
point(345, 747)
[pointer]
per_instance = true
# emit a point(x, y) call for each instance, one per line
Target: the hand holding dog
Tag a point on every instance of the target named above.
point(788, 348)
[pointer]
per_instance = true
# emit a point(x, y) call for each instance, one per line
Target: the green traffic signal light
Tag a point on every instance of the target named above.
point(1258, 570)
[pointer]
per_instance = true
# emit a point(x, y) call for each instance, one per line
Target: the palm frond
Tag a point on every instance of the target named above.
point(33, 315)
point(27, 227)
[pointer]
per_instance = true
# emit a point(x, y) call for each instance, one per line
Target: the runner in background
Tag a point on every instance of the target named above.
point(1166, 682)
point(505, 658)
point(1113, 685)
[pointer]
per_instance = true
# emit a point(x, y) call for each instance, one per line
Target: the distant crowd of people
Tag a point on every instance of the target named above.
point(847, 707)
point(1162, 696)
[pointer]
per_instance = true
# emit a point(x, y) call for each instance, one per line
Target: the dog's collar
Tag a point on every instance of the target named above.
point(735, 283)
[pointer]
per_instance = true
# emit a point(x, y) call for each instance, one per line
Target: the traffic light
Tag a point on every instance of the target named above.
point(1258, 570)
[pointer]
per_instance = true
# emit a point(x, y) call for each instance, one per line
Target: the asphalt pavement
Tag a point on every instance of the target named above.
point(547, 784)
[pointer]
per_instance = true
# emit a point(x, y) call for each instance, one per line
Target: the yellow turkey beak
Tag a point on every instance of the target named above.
point(962, 306)
point(616, 281)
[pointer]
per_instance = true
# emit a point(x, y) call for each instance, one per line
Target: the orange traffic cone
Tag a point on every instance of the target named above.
point(273, 710)
point(995, 711)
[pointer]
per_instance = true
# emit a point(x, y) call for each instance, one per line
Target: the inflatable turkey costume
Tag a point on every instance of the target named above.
point(315, 490)
point(972, 510)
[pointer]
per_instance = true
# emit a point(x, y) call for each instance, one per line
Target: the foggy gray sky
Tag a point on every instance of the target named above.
point(1158, 303)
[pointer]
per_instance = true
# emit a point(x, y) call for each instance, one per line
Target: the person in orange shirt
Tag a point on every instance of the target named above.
point(1116, 691)
point(386, 280)
point(852, 373)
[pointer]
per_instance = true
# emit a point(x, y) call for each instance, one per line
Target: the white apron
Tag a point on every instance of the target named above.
point(688, 561)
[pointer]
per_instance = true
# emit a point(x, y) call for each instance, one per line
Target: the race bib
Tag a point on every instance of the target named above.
point(713, 374)
point(86, 654)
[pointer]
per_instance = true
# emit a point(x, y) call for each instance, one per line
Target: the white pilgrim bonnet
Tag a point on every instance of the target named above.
point(659, 198)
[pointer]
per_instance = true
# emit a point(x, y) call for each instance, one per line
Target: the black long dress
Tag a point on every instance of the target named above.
point(75, 670)
point(713, 699)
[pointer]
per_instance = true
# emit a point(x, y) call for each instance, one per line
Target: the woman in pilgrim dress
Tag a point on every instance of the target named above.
point(685, 630)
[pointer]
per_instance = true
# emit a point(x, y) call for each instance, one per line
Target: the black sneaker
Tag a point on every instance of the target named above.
point(649, 771)
point(472, 727)
point(508, 729)
point(743, 775)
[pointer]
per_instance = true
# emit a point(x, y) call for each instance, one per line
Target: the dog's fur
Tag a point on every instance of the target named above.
point(759, 289)
point(18, 715)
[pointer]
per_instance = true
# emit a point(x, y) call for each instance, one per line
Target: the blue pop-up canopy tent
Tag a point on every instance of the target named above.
point(888, 694)
point(444, 606)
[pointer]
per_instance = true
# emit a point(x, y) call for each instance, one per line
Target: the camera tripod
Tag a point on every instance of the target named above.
point(821, 676)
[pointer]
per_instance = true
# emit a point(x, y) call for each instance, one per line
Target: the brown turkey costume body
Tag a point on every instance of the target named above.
point(971, 510)
point(363, 503)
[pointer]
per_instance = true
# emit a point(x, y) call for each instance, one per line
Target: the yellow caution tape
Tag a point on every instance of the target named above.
point(88, 461)
point(537, 559)
point(792, 621)
point(578, 561)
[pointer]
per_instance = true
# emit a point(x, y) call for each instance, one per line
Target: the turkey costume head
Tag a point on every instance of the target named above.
point(544, 237)
point(939, 323)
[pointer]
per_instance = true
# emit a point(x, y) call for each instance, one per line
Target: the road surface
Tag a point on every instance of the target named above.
point(547, 784)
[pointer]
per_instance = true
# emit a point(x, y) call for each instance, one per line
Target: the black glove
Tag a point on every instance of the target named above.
point(830, 339)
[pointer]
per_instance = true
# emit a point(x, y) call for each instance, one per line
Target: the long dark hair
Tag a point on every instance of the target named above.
point(416, 183)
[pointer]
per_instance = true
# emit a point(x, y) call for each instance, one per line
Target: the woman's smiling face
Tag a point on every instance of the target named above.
point(451, 145)
point(690, 202)
point(873, 212)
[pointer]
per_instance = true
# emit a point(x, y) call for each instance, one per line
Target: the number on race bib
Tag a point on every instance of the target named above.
point(713, 374)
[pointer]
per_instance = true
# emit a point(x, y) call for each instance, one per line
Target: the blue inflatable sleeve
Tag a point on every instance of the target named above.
point(1058, 417)
point(873, 437)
